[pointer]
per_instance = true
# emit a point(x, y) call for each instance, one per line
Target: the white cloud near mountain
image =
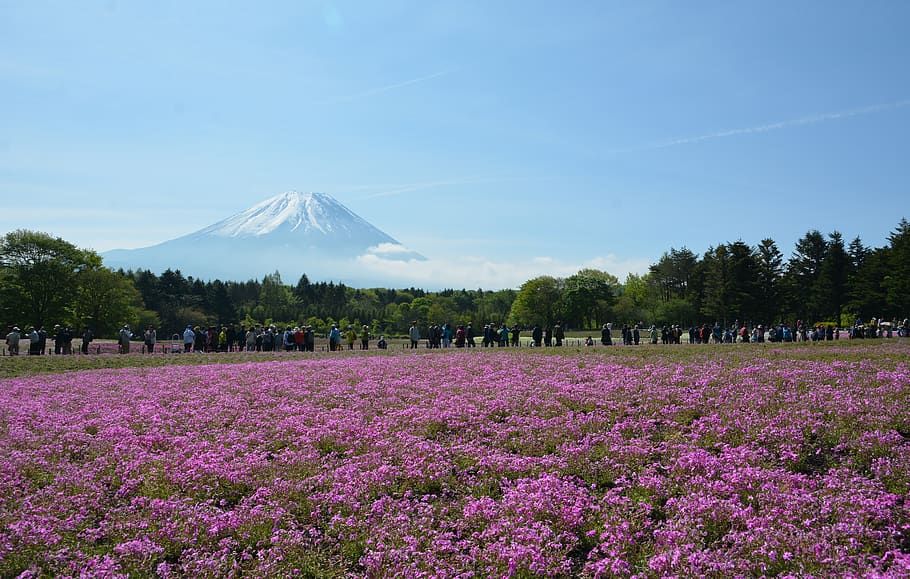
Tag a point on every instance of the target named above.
point(478, 271)
point(388, 249)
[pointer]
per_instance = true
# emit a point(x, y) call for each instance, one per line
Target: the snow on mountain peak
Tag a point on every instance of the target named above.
point(293, 211)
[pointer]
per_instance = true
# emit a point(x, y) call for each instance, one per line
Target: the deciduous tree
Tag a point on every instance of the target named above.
point(39, 273)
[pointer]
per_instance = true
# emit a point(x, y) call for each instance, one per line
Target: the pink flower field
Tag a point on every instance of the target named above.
point(721, 462)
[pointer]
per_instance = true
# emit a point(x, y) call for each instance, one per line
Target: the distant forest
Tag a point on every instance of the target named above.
point(46, 280)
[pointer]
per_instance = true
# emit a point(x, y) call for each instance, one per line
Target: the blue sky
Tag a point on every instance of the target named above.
point(501, 139)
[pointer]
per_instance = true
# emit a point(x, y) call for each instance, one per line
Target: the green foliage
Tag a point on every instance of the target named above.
point(104, 301)
point(897, 282)
point(537, 302)
point(638, 301)
point(587, 297)
point(39, 272)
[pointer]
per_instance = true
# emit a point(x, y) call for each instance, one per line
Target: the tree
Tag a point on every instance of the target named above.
point(537, 302)
point(105, 301)
point(743, 282)
point(276, 300)
point(587, 297)
point(718, 283)
point(769, 262)
point(39, 272)
point(831, 290)
point(673, 274)
point(802, 275)
point(219, 302)
point(637, 300)
point(897, 281)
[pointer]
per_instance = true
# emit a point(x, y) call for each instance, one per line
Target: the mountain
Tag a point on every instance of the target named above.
point(292, 233)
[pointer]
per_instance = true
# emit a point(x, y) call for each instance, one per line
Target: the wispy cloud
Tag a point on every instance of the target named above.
point(386, 88)
point(808, 120)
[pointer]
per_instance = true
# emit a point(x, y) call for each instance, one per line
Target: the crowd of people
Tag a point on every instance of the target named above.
point(62, 337)
point(272, 339)
point(269, 338)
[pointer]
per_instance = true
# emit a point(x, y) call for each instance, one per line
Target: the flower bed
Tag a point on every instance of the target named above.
point(462, 464)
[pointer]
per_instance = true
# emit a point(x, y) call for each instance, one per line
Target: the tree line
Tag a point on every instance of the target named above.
point(45, 280)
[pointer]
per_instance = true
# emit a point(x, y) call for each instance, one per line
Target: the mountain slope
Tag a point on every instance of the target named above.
point(292, 233)
point(296, 215)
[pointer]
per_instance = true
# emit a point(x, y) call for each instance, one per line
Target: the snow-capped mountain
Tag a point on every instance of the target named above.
point(298, 214)
point(293, 233)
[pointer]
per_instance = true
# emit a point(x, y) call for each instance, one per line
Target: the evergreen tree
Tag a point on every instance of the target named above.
point(897, 280)
point(769, 262)
point(718, 298)
point(744, 285)
point(831, 286)
point(802, 276)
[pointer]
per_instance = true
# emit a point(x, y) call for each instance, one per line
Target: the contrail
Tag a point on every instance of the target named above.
point(810, 120)
point(388, 87)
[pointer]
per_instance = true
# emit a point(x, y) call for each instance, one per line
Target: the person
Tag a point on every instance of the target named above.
point(67, 340)
point(653, 332)
point(309, 339)
point(606, 337)
point(536, 336)
point(589, 341)
point(288, 340)
point(636, 334)
point(516, 336)
point(124, 339)
point(231, 337)
point(365, 337)
point(459, 337)
point(42, 341)
point(58, 339)
point(414, 334)
point(211, 339)
point(334, 338)
point(12, 341)
point(33, 341)
point(547, 337)
point(382, 344)
point(487, 335)
point(469, 336)
point(87, 337)
point(350, 337)
point(241, 338)
point(223, 339)
point(249, 339)
point(559, 333)
point(189, 338)
point(198, 339)
point(151, 338)
point(268, 339)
